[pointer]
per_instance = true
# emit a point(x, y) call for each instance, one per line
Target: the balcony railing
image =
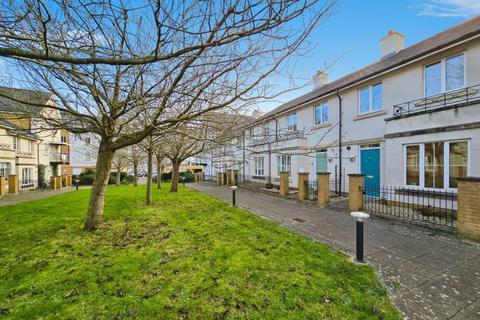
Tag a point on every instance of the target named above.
point(25, 154)
point(59, 158)
point(451, 98)
point(282, 135)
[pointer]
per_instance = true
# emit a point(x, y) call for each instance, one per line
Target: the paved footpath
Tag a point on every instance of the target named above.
point(31, 195)
point(429, 275)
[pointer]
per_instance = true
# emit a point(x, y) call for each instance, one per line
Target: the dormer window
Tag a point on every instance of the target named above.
point(292, 122)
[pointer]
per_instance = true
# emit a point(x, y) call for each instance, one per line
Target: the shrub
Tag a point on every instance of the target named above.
point(167, 176)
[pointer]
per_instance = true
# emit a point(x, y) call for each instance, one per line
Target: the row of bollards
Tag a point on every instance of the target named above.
point(359, 216)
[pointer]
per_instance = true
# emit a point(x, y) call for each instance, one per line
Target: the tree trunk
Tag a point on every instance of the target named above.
point(159, 173)
point(135, 174)
point(99, 188)
point(149, 177)
point(119, 173)
point(175, 175)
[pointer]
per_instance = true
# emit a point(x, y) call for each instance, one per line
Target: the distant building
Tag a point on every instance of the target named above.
point(84, 149)
point(29, 147)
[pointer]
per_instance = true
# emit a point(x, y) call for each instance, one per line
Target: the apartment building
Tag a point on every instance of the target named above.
point(410, 119)
point(84, 150)
point(29, 147)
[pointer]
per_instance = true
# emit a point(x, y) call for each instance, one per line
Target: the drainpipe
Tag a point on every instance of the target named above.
point(340, 125)
point(243, 164)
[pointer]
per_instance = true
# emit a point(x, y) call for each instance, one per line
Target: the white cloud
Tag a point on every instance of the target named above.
point(450, 8)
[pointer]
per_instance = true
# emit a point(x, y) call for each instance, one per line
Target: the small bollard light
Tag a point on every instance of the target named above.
point(360, 217)
point(233, 194)
point(183, 180)
point(77, 182)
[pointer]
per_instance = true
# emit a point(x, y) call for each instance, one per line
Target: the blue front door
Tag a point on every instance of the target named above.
point(370, 167)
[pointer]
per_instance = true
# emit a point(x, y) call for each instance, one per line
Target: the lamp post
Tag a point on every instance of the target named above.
point(360, 217)
point(234, 188)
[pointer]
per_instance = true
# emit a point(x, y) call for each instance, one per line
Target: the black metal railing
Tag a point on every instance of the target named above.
point(451, 98)
point(434, 208)
point(311, 190)
point(258, 182)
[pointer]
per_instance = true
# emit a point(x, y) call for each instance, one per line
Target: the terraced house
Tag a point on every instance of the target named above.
point(411, 119)
point(30, 149)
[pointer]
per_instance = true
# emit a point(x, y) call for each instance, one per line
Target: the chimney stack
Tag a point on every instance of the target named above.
point(320, 79)
point(391, 43)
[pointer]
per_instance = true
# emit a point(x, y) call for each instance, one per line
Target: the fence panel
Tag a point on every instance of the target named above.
point(434, 208)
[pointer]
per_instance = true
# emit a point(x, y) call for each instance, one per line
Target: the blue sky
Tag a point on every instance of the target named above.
point(350, 37)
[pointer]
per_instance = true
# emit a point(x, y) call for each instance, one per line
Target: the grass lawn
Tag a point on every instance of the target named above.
point(189, 256)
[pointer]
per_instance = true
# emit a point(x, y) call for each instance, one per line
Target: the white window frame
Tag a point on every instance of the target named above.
point(321, 105)
point(259, 169)
point(16, 143)
point(446, 164)
point(443, 74)
point(28, 179)
point(370, 99)
point(5, 169)
point(284, 165)
point(30, 146)
point(295, 126)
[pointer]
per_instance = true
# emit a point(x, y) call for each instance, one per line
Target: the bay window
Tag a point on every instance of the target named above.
point(259, 166)
point(321, 113)
point(284, 164)
point(436, 165)
point(371, 98)
point(444, 75)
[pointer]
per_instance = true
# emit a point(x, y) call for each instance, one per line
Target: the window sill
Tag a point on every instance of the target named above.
point(321, 125)
point(370, 115)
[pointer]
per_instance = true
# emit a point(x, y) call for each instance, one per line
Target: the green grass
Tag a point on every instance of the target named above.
point(187, 257)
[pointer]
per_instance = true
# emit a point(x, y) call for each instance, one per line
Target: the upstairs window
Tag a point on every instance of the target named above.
point(321, 113)
point(266, 132)
point(444, 75)
point(87, 140)
point(371, 98)
point(63, 139)
point(30, 146)
point(292, 121)
point(16, 143)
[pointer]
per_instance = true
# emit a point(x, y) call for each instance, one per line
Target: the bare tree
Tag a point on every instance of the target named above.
point(160, 160)
point(120, 163)
point(107, 62)
point(186, 141)
point(135, 157)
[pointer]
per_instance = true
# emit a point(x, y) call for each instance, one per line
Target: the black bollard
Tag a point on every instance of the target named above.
point(360, 241)
point(360, 217)
point(234, 188)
